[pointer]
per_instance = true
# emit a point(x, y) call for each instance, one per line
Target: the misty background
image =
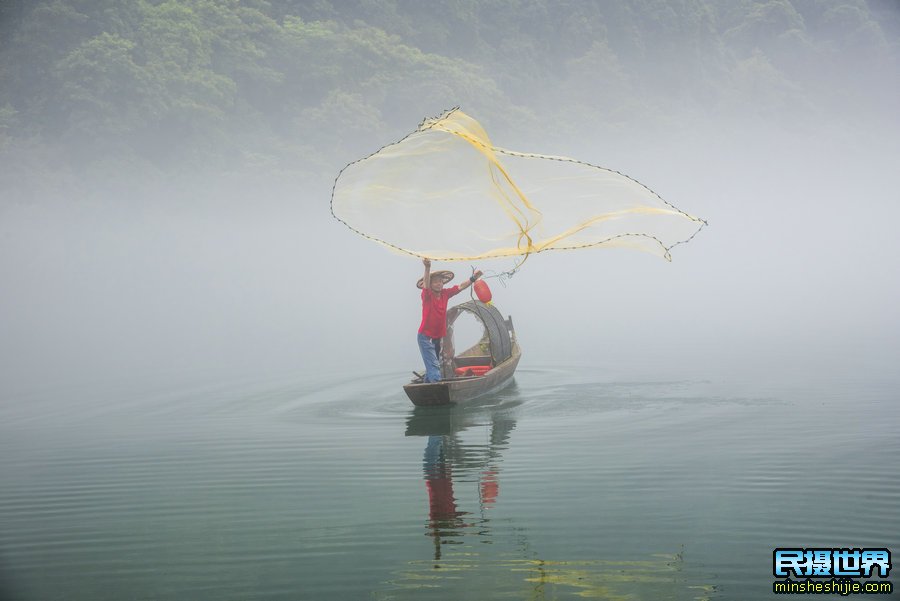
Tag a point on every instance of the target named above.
point(166, 169)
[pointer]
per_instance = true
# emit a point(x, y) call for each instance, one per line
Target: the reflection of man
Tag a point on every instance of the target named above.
point(443, 515)
point(445, 453)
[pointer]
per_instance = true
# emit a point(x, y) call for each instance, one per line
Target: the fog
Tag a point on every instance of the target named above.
point(796, 271)
point(796, 275)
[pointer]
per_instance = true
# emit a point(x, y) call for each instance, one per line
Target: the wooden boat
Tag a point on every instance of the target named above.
point(486, 367)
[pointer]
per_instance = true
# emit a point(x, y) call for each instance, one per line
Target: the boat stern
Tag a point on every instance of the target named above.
point(428, 394)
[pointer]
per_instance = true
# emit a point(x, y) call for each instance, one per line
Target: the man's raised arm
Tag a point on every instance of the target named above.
point(426, 280)
point(470, 281)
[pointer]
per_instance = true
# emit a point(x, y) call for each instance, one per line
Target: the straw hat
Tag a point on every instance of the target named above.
point(445, 276)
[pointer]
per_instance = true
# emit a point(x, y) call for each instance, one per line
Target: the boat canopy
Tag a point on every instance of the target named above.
point(497, 330)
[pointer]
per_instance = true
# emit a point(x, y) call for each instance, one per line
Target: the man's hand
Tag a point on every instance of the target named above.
point(470, 281)
point(426, 262)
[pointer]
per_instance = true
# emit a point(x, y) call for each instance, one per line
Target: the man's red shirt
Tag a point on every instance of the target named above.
point(434, 311)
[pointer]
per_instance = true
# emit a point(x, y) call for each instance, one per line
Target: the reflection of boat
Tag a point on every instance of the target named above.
point(449, 420)
point(479, 544)
point(449, 460)
point(485, 367)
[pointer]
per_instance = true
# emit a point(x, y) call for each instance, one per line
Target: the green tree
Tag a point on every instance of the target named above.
point(99, 93)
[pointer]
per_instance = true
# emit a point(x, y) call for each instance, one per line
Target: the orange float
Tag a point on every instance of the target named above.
point(482, 291)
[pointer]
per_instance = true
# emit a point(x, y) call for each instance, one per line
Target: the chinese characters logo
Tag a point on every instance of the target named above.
point(830, 571)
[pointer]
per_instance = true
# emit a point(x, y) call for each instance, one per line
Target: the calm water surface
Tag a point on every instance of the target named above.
point(565, 485)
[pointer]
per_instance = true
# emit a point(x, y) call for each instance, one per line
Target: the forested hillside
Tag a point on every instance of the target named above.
point(96, 86)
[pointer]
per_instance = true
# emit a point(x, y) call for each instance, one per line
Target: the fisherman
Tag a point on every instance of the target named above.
point(434, 315)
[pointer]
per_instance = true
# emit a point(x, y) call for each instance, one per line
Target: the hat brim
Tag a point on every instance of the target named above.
point(445, 275)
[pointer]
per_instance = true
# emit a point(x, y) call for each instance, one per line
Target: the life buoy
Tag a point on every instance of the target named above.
point(472, 370)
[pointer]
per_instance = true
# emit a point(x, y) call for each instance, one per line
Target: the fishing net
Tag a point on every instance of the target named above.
point(445, 192)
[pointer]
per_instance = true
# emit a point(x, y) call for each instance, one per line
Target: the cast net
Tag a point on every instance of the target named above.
point(445, 192)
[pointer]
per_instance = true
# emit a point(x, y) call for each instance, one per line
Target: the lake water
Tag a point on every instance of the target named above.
point(568, 484)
